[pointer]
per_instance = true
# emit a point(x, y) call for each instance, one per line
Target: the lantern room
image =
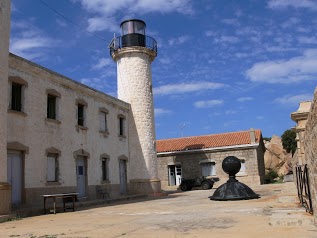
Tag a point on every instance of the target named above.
point(133, 33)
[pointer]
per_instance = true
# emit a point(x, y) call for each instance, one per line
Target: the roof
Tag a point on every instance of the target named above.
point(207, 141)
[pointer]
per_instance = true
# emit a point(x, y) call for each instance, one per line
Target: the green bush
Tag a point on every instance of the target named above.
point(270, 176)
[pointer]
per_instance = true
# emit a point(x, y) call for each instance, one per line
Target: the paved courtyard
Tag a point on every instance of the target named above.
point(180, 214)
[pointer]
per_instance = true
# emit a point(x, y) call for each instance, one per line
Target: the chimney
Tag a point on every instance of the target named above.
point(252, 136)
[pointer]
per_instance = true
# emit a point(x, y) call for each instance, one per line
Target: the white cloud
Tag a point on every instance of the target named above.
point(208, 104)
point(226, 39)
point(178, 41)
point(286, 71)
point(161, 111)
point(230, 112)
point(103, 63)
point(279, 4)
point(186, 88)
point(107, 9)
point(29, 42)
point(244, 99)
point(96, 83)
point(293, 100)
point(307, 40)
point(31, 47)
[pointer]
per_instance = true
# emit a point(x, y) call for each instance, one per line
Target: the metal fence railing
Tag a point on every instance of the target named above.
point(303, 189)
point(132, 40)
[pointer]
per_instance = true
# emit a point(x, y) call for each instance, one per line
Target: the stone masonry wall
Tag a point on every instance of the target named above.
point(135, 87)
point(191, 167)
point(310, 143)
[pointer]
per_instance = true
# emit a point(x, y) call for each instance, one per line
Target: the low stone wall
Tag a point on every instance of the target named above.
point(310, 143)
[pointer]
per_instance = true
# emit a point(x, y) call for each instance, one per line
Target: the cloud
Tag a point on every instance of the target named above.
point(226, 39)
point(296, 69)
point(280, 4)
point(30, 47)
point(208, 104)
point(293, 100)
point(244, 99)
point(29, 42)
point(96, 83)
point(103, 63)
point(307, 40)
point(161, 111)
point(178, 41)
point(106, 10)
point(186, 88)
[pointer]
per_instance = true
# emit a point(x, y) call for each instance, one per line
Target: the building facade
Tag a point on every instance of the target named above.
point(62, 136)
point(192, 157)
point(59, 136)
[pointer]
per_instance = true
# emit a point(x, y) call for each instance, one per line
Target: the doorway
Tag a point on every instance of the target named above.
point(81, 173)
point(174, 175)
point(15, 171)
point(123, 176)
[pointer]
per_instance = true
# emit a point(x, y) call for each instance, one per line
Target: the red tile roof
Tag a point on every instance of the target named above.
point(206, 141)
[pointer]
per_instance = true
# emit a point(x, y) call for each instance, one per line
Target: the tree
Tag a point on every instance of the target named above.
point(289, 141)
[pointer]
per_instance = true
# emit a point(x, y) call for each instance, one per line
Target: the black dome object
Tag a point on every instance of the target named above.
point(233, 189)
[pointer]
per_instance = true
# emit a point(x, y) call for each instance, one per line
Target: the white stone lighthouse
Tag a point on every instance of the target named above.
point(5, 188)
point(134, 52)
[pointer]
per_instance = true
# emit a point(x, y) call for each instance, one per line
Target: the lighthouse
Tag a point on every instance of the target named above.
point(134, 52)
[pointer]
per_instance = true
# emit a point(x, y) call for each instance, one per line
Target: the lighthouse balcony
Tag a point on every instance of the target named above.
point(131, 40)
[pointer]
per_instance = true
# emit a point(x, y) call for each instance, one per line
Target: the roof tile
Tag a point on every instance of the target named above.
point(206, 141)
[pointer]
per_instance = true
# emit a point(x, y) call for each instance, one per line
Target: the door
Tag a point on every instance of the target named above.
point(178, 177)
point(15, 177)
point(171, 175)
point(123, 176)
point(81, 176)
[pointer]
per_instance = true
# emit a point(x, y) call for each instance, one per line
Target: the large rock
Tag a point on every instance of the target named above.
point(276, 158)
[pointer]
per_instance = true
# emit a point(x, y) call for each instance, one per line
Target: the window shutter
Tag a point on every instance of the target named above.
point(51, 168)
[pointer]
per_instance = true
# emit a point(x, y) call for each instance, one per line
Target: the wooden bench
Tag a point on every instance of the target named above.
point(103, 192)
point(67, 198)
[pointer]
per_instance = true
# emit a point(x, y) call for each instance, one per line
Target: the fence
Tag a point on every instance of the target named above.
point(303, 190)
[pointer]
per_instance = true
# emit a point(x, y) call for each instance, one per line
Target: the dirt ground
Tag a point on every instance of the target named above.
point(180, 214)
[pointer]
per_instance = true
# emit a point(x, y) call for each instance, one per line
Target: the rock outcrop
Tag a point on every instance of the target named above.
point(276, 158)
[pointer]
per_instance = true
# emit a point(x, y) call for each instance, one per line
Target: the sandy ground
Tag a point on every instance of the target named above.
point(181, 214)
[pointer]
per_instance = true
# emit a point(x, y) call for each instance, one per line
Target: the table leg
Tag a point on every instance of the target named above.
point(44, 205)
point(54, 206)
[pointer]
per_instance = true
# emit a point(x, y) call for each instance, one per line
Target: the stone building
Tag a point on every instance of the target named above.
point(58, 135)
point(300, 117)
point(192, 157)
point(305, 155)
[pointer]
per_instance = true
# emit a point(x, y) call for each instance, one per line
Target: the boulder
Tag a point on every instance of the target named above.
point(276, 158)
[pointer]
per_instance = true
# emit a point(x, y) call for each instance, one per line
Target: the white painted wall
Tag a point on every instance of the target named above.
point(39, 134)
point(5, 12)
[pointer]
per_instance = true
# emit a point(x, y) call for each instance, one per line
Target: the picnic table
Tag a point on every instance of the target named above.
point(67, 198)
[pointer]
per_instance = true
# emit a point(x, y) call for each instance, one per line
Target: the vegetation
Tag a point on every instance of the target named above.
point(270, 176)
point(267, 138)
point(289, 141)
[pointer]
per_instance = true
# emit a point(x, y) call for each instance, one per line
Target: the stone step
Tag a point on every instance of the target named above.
point(291, 218)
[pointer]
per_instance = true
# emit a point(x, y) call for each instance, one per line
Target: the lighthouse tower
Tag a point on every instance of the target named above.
point(5, 189)
point(133, 52)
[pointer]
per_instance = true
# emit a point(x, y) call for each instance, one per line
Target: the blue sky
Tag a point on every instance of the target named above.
point(222, 65)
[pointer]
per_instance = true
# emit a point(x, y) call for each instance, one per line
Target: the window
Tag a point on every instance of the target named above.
point(208, 169)
point(51, 106)
point(16, 97)
point(52, 168)
point(80, 115)
point(105, 169)
point(121, 122)
point(103, 117)
point(242, 169)
point(17, 93)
